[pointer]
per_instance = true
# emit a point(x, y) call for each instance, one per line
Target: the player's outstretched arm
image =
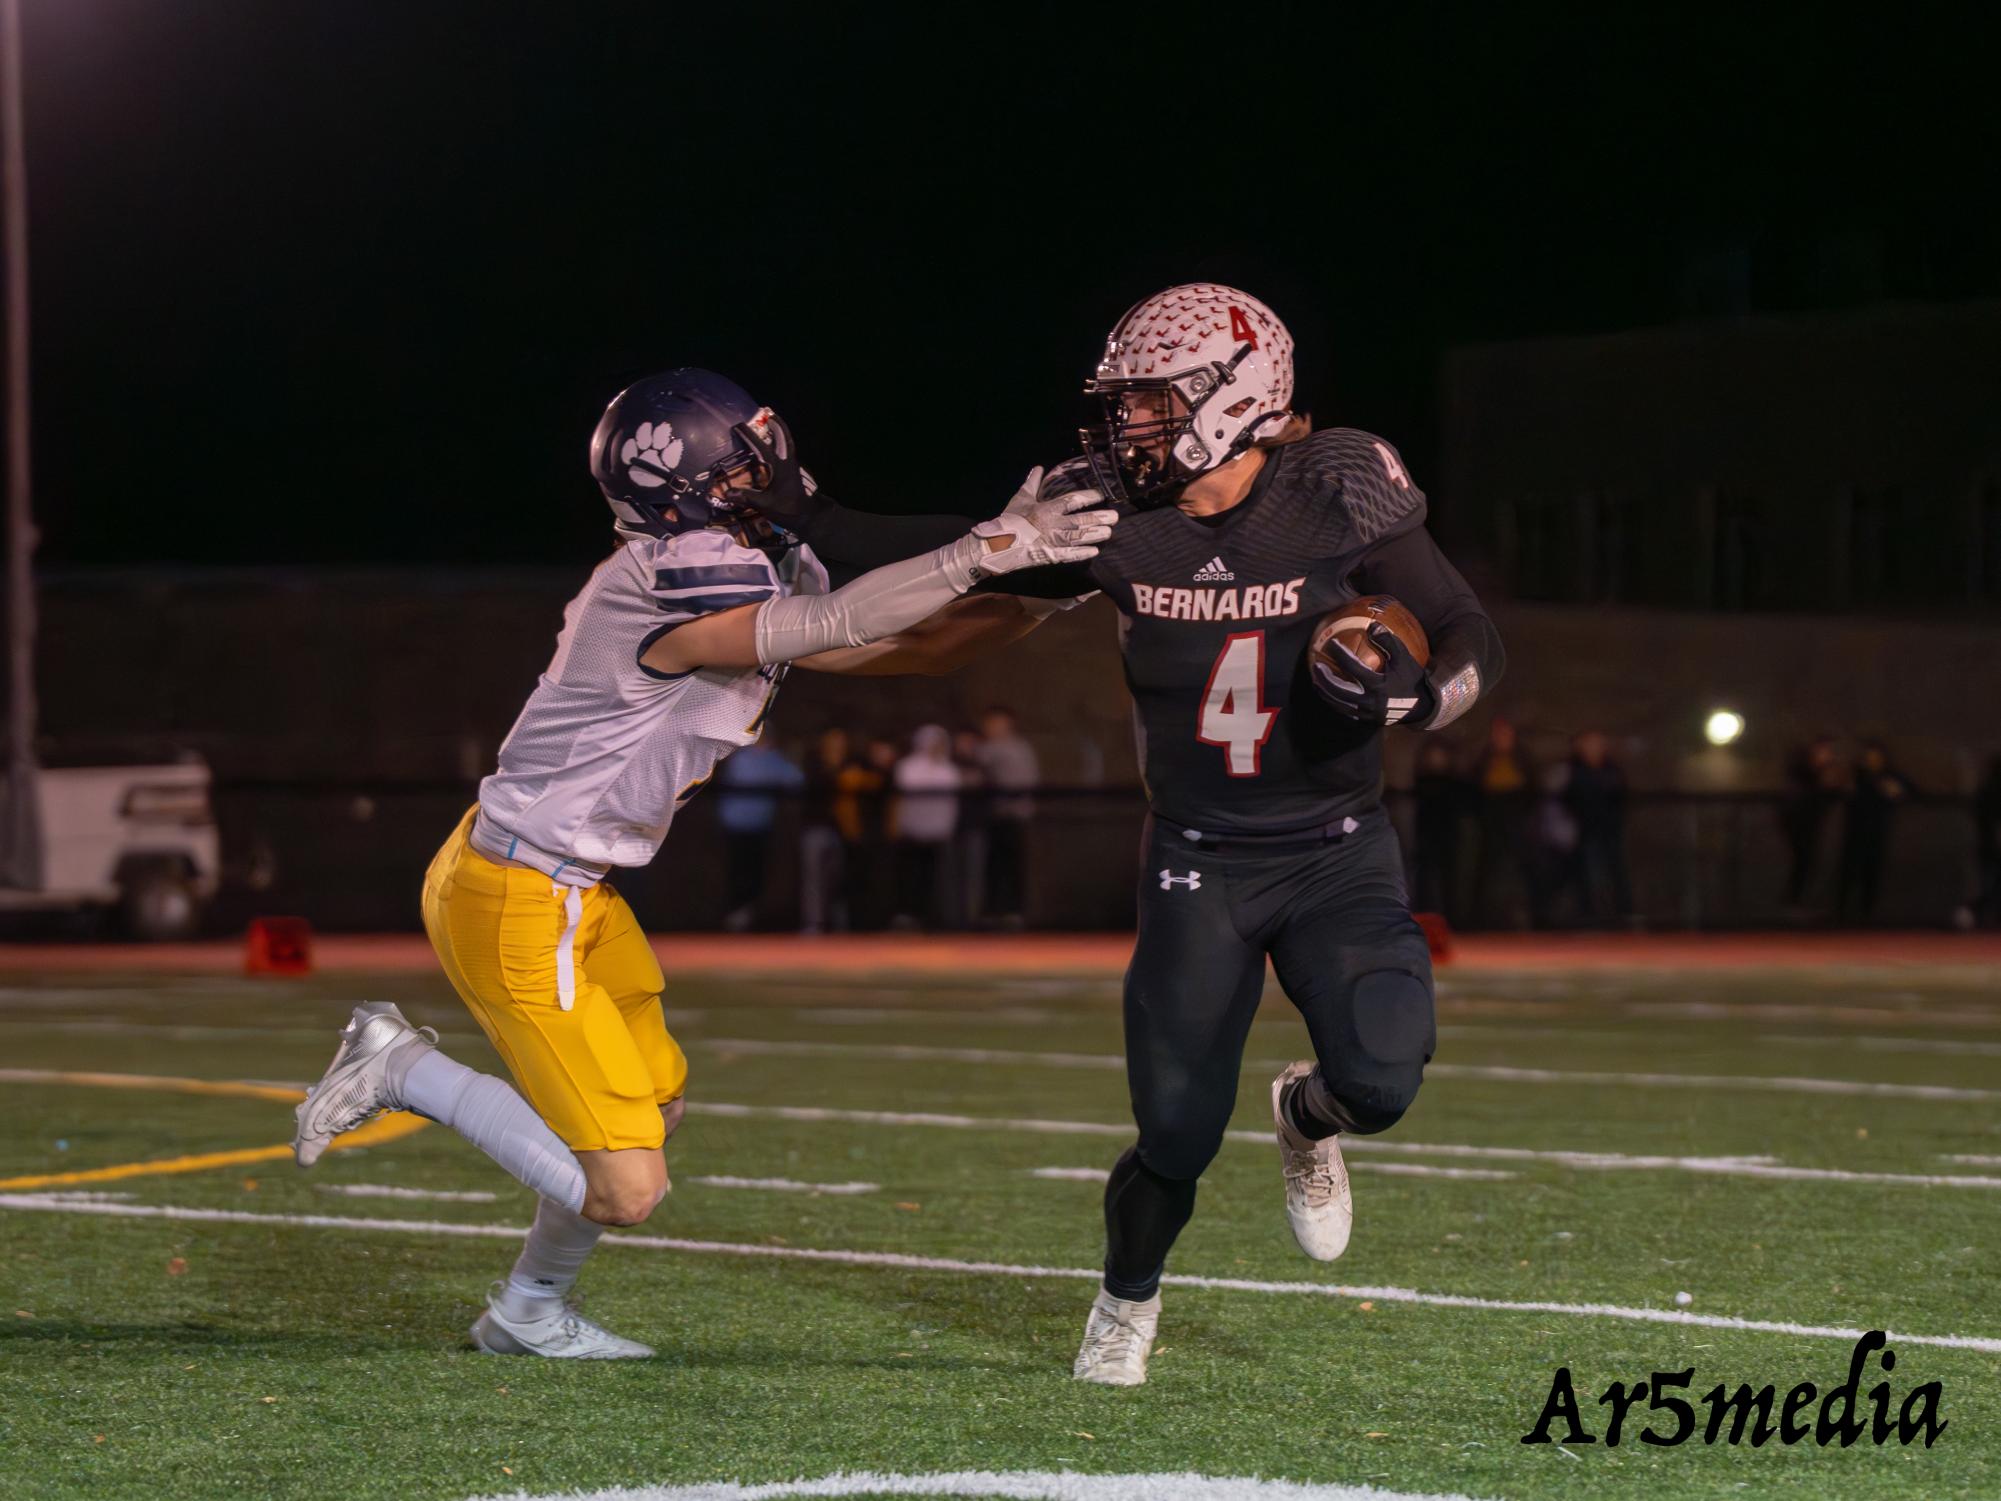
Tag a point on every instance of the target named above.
point(848, 542)
point(1466, 654)
point(965, 629)
point(880, 604)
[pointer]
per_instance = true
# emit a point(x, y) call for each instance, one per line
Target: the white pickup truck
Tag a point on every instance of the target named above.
point(137, 840)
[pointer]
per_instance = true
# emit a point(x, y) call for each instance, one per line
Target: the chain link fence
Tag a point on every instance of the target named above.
point(351, 857)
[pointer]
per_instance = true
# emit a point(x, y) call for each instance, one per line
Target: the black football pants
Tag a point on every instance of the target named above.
point(1334, 919)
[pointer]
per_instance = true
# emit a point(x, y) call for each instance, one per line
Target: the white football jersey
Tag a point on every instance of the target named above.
point(606, 749)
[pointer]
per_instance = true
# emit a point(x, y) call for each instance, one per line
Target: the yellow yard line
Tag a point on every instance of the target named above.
point(384, 1128)
point(167, 1082)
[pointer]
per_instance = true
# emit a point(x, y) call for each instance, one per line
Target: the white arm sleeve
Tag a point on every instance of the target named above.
point(877, 604)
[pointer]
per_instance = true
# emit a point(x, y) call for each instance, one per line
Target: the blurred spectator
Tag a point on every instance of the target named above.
point(1594, 794)
point(927, 810)
point(866, 820)
point(1550, 867)
point(1011, 771)
point(1443, 799)
point(747, 807)
point(823, 837)
point(1865, 836)
point(869, 864)
point(968, 853)
point(1985, 908)
point(1504, 788)
point(1814, 788)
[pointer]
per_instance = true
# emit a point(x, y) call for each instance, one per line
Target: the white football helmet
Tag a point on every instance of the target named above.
point(1225, 362)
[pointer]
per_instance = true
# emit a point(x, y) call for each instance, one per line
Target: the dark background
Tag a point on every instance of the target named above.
point(1689, 321)
point(349, 282)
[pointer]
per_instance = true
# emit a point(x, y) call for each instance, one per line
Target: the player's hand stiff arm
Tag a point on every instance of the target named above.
point(1031, 533)
point(1466, 655)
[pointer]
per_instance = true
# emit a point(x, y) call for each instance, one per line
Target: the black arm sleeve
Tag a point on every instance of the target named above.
point(850, 542)
point(1410, 567)
point(1051, 581)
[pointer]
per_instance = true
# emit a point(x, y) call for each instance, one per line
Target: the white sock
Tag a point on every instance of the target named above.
point(490, 1115)
point(554, 1253)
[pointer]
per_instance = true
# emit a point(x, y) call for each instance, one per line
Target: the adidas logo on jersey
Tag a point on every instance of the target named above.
point(1215, 571)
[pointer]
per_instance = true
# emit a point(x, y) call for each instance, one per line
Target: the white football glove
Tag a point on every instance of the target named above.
point(1062, 530)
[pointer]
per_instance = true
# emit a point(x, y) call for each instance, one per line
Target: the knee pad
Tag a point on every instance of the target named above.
point(1394, 1036)
point(1372, 1109)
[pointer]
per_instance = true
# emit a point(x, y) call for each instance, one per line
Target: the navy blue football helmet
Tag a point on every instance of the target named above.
point(665, 441)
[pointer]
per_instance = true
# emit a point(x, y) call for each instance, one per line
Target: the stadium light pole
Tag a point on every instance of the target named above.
point(23, 830)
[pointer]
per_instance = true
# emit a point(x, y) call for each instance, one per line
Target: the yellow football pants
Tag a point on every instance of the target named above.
point(597, 1072)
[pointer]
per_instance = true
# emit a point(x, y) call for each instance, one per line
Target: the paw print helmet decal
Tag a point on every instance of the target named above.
point(1189, 379)
point(662, 446)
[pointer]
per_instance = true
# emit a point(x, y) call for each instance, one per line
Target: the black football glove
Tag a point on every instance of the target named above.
point(788, 495)
point(1399, 692)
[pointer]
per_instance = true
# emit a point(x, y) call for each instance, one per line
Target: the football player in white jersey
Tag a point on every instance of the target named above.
point(668, 661)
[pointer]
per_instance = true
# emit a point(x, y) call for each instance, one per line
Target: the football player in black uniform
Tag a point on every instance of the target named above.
point(1267, 837)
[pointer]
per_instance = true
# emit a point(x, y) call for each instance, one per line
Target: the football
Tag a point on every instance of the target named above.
point(1349, 624)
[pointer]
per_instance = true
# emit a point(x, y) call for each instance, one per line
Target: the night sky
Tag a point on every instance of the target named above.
point(349, 281)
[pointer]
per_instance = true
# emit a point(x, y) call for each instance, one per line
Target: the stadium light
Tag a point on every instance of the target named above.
point(1723, 726)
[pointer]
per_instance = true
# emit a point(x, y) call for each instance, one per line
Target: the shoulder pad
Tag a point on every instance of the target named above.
point(1368, 475)
point(701, 572)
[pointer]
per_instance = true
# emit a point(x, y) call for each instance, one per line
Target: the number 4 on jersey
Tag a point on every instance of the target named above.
point(1233, 712)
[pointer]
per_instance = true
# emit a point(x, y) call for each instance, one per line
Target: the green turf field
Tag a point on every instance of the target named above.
point(152, 1356)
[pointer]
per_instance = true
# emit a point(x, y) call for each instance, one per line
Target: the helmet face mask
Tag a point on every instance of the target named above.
point(1148, 450)
point(1211, 368)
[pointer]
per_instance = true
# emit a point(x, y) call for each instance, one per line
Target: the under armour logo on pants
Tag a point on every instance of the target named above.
point(1193, 880)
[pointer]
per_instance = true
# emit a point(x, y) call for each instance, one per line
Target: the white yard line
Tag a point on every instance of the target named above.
point(1403, 1169)
point(1719, 1166)
point(1970, 1159)
point(822, 1115)
point(784, 1185)
point(1508, 1030)
point(42, 1204)
point(390, 1191)
point(1015, 1485)
point(100, 1026)
point(1950, 1047)
point(1764, 1083)
point(1724, 1166)
point(1427, 1170)
point(1742, 1011)
point(87, 1196)
point(759, 1047)
point(194, 1030)
point(1007, 1016)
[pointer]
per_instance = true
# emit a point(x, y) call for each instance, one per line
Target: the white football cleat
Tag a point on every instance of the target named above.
point(562, 1334)
point(355, 1086)
point(1118, 1337)
point(1317, 1200)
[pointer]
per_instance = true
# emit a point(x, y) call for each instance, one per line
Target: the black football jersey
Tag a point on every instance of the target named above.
point(1216, 614)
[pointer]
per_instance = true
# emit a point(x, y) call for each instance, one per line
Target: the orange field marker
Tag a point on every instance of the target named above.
point(387, 1128)
point(167, 1083)
point(384, 1128)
